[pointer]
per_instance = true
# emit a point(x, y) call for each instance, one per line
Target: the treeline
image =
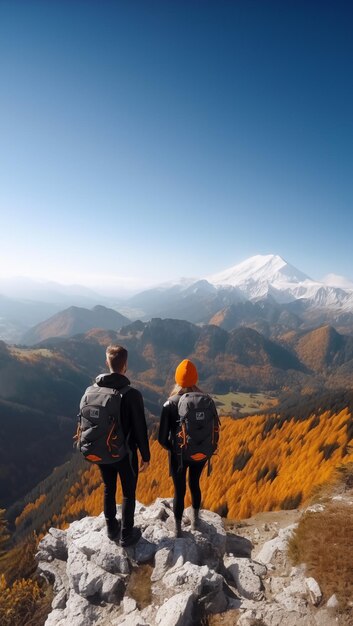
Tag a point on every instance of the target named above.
point(36, 510)
point(300, 406)
point(265, 462)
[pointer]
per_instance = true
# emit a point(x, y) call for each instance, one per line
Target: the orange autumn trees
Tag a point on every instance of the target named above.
point(29, 508)
point(264, 463)
point(18, 601)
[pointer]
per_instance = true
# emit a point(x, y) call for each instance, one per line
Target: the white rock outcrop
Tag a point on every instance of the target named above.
point(165, 581)
point(91, 574)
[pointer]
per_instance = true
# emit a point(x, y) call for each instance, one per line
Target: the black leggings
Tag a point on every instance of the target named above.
point(128, 472)
point(179, 480)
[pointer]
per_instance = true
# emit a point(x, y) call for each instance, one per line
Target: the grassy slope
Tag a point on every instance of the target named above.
point(237, 403)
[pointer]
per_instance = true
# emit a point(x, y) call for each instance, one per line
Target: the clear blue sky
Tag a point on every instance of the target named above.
point(151, 140)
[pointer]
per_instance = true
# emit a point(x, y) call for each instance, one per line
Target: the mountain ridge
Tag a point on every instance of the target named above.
point(75, 320)
point(254, 280)
point(260, 279)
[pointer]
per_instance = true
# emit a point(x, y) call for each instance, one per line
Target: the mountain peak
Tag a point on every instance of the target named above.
point(269, 269)
point(73, 321)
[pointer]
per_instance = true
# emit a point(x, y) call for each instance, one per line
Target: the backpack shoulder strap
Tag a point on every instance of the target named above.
point(114, 391)
point(175, 399)
point(123, 390)
point(119, 394)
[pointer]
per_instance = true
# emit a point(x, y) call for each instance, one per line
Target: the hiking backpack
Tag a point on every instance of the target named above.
point(100, 437)
point(197, 429)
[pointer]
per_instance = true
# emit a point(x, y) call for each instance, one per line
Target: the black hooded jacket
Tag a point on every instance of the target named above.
point(133, 419)
point(168, 423)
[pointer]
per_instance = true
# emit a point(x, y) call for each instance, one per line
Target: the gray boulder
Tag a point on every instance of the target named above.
point(103, 552)
point(53, 546)
point(314, 590)
point(162, 559)
point(247, 580)
point(88, 579)
point(59, 601)
point(77, 529)
point(279, 544)
point(177, 611)
point(205, 583)
point(145, 550)
point(55, 573)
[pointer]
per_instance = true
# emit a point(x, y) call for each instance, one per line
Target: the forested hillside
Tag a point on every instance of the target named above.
point(40, 387)
point(39, 393)
point(265, 462)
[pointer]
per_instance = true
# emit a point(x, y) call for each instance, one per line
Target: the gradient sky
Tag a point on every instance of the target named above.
point(144, 141)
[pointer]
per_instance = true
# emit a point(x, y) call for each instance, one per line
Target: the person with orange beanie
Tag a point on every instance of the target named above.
point(186, 378)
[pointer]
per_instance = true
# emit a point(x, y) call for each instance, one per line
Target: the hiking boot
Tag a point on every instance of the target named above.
point(130, 538)
point(177, 528)
point(195, 520)
point(113, 528)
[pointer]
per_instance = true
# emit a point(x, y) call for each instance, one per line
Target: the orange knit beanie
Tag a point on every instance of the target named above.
point(186, 374)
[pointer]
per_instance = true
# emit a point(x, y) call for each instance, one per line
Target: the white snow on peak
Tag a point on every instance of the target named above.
point(269, 268)
point(266, 275)
point(263, 275)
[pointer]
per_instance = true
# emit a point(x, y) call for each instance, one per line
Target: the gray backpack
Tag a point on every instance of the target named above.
point(100, 436)
point(198, 428)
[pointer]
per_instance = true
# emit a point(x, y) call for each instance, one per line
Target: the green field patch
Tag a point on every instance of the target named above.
point(238, 404)
point(31, 353)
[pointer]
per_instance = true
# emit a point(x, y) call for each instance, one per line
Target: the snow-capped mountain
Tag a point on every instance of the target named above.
point(264, 291)
point(268, 268)
point(261, 277)
point(264, 275)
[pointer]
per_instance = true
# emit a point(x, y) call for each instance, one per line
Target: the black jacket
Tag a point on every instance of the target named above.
point(133, 419)
point(168, 422)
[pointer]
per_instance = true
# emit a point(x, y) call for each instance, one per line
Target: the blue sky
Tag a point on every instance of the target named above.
point(142, 141)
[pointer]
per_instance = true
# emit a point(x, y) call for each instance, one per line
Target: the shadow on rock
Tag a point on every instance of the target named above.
point(238, 546)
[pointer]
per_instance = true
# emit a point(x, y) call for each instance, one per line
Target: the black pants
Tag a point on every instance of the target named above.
point(128, 472)
point(179, 480)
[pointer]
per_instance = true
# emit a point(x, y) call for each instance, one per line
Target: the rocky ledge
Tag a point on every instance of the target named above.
point(174, 582)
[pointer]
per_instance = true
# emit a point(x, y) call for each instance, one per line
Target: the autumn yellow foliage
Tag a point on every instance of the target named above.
point(29, 508)
point(263, 464)
point(18, 601)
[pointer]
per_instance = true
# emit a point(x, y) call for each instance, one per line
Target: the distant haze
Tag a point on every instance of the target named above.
point(91, 287)
point(94, 288)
